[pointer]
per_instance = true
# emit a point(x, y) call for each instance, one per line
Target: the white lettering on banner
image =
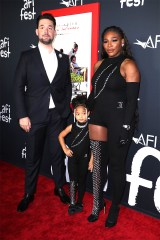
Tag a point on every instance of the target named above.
point(149, 138)
point(5, 114)
point(149, 43)
point(27, 15)
point(157, 40)
point(135, 179)
point(71, 3)
point(24, 153)
point(157, 194)
point(4, 47)
point(131, 3)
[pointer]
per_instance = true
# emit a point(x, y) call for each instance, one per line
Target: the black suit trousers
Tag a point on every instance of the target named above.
point(35, 142)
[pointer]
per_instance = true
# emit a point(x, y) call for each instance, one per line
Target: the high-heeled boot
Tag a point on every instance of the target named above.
point(112, 216)
point(72, 206)
point(98, 183)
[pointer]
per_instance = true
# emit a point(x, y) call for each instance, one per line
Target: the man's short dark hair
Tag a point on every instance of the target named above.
point(46, 16)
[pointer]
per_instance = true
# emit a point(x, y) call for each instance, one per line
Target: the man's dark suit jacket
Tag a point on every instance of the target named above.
point(33, 88)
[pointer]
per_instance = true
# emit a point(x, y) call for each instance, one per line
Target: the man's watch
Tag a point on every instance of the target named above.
point(127, 127)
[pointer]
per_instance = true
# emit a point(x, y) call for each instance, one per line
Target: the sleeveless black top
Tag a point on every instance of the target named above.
point(108, 85)
point(80, 139)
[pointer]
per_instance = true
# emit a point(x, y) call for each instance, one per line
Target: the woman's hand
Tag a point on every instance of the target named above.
point(68, 152)
point(124, 135)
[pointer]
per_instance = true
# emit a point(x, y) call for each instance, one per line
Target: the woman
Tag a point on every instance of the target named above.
point(113, 104)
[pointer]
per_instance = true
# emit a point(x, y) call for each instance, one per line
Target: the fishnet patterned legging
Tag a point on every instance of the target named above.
point(72, 192)
point(98, 184)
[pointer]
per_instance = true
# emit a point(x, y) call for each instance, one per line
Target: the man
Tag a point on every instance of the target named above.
point(42, 99)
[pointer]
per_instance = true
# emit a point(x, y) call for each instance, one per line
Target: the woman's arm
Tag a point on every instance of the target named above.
point(130, 72)
point(132, 76)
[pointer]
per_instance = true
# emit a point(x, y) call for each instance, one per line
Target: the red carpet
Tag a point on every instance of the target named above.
point(48, 219)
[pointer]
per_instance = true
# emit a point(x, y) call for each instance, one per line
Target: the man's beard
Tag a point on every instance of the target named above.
point(46, 42)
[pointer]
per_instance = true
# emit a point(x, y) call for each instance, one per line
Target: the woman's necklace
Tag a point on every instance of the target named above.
point(81, 126)
point(106, 80)
point(73, 144)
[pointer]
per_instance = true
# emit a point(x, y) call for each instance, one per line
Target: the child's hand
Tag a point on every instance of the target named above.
point(90, 166)
point(68, 152)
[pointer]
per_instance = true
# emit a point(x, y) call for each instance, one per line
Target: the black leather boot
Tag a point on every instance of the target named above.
point(112, 216)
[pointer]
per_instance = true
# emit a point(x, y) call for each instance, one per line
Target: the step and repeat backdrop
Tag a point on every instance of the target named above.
point(140, 20)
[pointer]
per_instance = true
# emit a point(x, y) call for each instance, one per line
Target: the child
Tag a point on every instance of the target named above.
point(78, 153)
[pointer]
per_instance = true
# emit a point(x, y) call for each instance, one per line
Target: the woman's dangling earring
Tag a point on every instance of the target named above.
point(86, 114)
point(122, 44)
point(74, 115)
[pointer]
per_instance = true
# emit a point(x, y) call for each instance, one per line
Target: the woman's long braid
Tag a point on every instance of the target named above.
point(126, 47)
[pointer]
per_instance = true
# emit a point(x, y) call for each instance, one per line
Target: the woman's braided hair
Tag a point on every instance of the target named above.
point(125, 49)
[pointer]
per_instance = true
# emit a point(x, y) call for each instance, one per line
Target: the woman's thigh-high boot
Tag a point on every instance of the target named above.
point(118, 174)
point(99, 150)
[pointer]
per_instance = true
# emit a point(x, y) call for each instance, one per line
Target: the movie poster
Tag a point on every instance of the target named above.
point(74, 38)
point(77, 36)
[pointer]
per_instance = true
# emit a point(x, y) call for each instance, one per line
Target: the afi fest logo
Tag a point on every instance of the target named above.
point(24, 156)
point(27, 12)
point(134, 178)
point(131, 3)
point(5, 114)
point(150, 43)
point(4, 48)
point(71, 3)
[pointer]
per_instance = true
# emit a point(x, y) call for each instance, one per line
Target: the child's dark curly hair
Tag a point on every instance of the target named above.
point(79, 100)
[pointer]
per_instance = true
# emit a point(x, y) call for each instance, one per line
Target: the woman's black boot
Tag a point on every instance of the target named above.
point(98, 184)
point(94, 217)
point(112, 216)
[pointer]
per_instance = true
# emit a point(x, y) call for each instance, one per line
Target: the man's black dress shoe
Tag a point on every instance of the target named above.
point(62, 195)
point(24, 203)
